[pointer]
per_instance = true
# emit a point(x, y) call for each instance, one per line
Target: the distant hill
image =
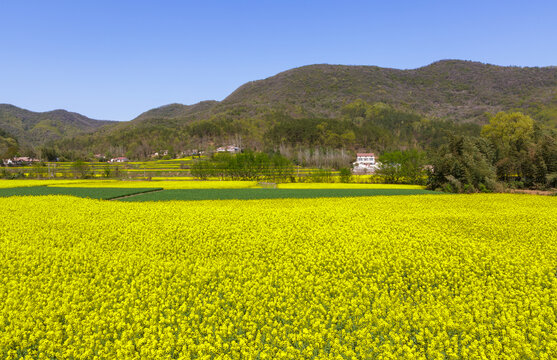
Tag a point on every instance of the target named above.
point(448, 89)
point(35, 128)
point(177, 110)
point(308, 106)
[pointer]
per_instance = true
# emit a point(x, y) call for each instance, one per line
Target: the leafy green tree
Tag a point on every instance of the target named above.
point(107, 171)
point(403, 166)
point(80, 169)
point(511, 135)
point(345, 175)
point(508, 129)
point(49, 154)
point(461, 166)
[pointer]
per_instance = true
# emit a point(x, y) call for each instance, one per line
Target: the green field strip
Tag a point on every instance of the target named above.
point(252, 194)
point(93, 193)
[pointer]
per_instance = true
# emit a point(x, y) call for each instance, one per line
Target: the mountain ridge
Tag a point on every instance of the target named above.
point(35, 128)
point(459, 91)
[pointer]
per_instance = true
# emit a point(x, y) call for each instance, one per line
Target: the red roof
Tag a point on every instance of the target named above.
point(365, 154)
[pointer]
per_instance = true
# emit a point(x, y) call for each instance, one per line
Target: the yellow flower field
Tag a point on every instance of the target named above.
point(30, 182)
point(399, 277)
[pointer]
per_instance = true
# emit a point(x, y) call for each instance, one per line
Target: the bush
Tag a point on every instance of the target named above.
point(345, 175)
point(107, 171)
point(321, 176)
point(80, 169)
point(516, 184)
point(447, 188)
point(552, 180)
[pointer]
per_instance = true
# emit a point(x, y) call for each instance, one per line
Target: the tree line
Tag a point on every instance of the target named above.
point(512, 149)
point(249, 165)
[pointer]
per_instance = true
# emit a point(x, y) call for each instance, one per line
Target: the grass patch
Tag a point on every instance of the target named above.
point(347, 186)
point(93, 193)
point(250, 194)
point(167, 184)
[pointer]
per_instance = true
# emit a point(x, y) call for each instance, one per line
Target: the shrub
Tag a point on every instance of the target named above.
point(345, 175)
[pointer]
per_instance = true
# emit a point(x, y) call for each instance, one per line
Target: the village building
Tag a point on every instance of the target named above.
point(120, 159)
point(159, 153)
point(20, 161)
point(232, 149)
point(365, 163)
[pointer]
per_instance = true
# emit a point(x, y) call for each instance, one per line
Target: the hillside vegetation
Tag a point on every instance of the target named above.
point(8, 145)
point(449, 89)
point(36, 128)
point(327, 106)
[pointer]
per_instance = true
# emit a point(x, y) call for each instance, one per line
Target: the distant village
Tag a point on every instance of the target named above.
point(366, 163)
point(20, 161)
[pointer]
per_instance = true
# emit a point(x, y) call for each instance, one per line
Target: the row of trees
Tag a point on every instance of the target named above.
point(77, 170)
point(248, 165)
point(512, 149)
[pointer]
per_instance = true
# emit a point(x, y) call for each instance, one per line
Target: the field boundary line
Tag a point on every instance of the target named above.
point(136, 194)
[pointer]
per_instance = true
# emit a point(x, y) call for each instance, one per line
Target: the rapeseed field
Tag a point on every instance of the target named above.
point(409, 277)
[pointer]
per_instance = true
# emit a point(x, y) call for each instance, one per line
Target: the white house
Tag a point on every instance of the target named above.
point(233, 149)
point(120, 159)
point(365, 163)
point(20, 161)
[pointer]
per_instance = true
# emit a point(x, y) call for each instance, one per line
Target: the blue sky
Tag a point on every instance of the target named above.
point(116, 59)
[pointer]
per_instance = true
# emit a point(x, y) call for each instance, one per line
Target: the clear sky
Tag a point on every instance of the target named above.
point(115, 59)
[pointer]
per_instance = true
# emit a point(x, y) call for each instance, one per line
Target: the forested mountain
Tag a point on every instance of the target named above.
point(448, 89)
point(332, 106)
point(36, 128)
point(9, 146)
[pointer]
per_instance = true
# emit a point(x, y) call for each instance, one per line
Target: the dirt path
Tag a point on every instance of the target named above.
point(532, 192)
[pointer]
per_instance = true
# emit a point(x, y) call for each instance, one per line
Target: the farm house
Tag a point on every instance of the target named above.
point(365, 163)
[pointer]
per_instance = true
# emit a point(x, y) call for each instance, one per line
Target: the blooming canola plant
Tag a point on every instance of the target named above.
point(425, 277)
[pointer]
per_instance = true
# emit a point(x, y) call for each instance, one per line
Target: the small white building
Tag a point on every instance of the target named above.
point(25, 159)
point(158, 154)
point(233, 149)
point(365, 163)
point(20, 161)
point(120, 159)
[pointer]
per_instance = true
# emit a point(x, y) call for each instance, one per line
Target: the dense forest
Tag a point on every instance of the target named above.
point(379, 127)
